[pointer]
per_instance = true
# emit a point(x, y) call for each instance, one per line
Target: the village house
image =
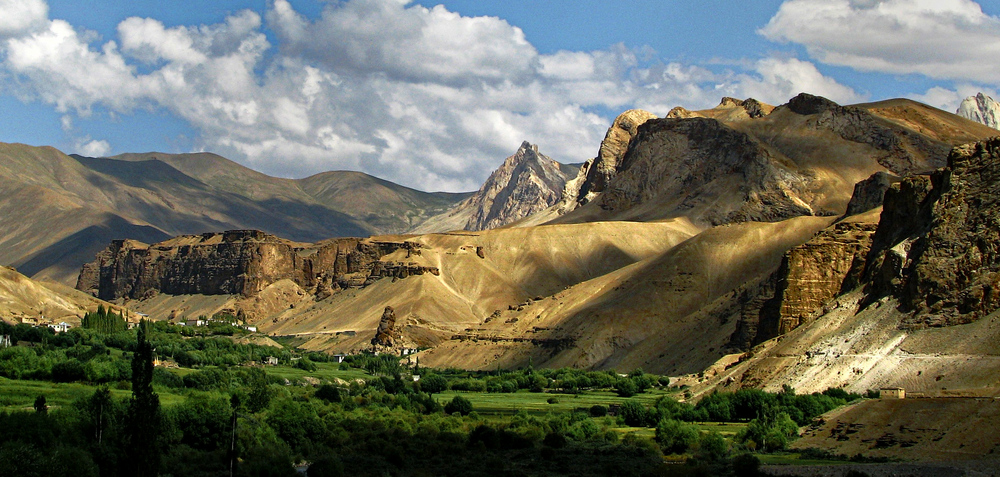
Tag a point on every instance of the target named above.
point(60, 327)
point(892, 393)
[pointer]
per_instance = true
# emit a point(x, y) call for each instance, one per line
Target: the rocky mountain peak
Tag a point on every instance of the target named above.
point(981, 109)
point(596, 173)
point(527, 182)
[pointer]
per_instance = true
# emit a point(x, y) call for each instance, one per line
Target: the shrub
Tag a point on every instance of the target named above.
point(328, 393)
point(458, 404)
point(598, 410)
point(674, 436)
point(626, 387)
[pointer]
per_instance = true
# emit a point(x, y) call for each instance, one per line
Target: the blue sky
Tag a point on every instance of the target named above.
point(435, 96)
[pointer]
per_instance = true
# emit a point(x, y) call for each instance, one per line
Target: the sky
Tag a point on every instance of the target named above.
point(434, 95)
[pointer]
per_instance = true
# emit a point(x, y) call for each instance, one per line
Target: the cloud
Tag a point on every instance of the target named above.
point(784, 78)
point(420, 96)
point(20, 16)
point(944, 39)
point(92, 148)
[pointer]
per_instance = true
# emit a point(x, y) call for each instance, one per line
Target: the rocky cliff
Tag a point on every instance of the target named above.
point(240, 262)
point(933, 250)
point(596, 173)
point(981, 109)
point(936, 245)
point(690, 163)
point(810, 275)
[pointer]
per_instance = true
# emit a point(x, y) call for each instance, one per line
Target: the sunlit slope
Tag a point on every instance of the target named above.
point(670, 313)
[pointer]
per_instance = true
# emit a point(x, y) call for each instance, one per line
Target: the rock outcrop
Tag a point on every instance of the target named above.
point(526, 183)
point(814, 273)
point(239, 262)
point(386, 335)
point(596, 173)
point(687, 164)
point(809, 276)
point(936, 247)
point(981, 109)
point(869, 193)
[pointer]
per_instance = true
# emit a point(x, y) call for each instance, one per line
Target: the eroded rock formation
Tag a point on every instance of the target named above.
point(869, 193)
point(386, 335)
point(690, 161)
point(240, 262)
point(809, 276)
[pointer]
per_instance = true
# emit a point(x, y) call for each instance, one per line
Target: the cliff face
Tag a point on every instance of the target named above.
point(981, 109)
point(526, 183)
point(690, 163)
point(240, 262)
point(596, 173)
point(936, 247)
point(810, 275)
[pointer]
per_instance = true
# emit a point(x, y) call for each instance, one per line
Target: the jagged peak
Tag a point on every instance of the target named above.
point(981, 108)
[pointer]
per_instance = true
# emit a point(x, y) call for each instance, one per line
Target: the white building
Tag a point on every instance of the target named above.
point(60, 327)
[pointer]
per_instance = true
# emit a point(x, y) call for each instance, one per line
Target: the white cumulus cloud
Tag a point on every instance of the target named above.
point(92, 147)
point(20, 16)
point(945, 39)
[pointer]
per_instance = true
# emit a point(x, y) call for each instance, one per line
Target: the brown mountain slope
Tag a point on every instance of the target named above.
point(801, 158)
point(923, 312)
point(22, 297)
point(61, 210)
point(378, 205)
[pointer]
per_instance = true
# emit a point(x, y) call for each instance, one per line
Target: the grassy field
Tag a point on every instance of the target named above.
point(324, 371)
point(19, 395)
point(537, 403)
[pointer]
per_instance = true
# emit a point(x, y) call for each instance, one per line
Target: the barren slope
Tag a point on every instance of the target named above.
point(21, 296)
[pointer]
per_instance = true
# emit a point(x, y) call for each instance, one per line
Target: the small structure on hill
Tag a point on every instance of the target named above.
point(60, 327)
point(271, 360)
point(892, 393)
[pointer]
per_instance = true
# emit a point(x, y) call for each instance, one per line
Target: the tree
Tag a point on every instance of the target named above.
point(328, 393)
point(633, 413)
point(458, 404)
point(769, 432)
point(626, 387)
point(674, 436)
point(99, 408)
point(433, 384)
point(144, 410)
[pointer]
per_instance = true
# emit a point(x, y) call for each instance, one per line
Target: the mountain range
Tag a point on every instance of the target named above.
point(727, 246)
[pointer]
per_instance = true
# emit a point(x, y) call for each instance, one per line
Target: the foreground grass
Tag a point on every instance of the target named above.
point(324, 372)
point(19, 394)
point(538, 403)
